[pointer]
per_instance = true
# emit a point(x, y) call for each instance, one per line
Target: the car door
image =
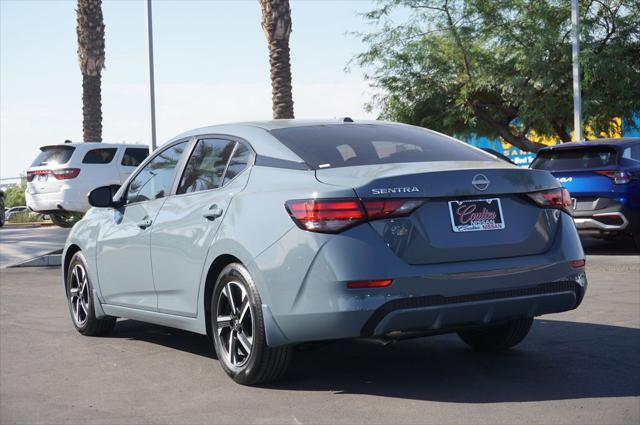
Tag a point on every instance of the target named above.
point(188, 221)
point(123, 249)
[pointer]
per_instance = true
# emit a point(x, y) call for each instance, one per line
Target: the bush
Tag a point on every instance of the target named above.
point(14, 196)
point(25, 217)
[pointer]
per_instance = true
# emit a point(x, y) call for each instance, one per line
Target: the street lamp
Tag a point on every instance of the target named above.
point(152, 91)
point(575, 50)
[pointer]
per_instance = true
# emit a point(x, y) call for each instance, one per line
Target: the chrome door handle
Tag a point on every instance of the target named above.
point(213, 213)
point(145, 223)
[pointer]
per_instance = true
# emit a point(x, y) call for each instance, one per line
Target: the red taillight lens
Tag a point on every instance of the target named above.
point(369, 284)
point(618, 177)
point(336, 215)
point(386, 208)
point(578, 264)
point(66, 173)
point(325, 215)
point(555, 198)
point(31, 174)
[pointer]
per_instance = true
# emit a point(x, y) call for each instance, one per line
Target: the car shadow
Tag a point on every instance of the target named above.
point(593, 246)
point(559, 360)
point(169, 337)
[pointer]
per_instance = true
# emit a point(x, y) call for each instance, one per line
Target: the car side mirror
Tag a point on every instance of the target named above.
point(102, 197)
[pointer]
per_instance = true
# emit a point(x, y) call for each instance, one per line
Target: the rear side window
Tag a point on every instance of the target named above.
point(344, 145)
point(154, 180)
point(239, 162)
point(575, 159)
point(632, 152)
point(134, 156)
point(53, 155)
point(99, 156)
point(206, 165)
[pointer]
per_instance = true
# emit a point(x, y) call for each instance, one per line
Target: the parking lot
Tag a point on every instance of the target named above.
point(582, 366)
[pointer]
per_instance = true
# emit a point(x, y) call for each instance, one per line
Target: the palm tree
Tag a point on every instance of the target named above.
point(276, 23)
point(90, 28)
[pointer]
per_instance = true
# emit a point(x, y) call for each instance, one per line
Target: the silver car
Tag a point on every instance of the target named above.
point(265, 235)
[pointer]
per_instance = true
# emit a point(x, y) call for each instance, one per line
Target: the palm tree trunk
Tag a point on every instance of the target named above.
point(90, 30)
point(91, 108)
point(279, 60)
point(276, 23)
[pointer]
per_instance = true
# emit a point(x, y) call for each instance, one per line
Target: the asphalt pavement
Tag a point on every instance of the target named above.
point(581, 366)
point(22, 243)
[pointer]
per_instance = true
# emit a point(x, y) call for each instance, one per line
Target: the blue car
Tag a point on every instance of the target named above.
point(266, 235)
point(603, 177)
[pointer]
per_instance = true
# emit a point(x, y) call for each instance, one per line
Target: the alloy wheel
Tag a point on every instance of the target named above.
point(235, 324)
point(79, 295)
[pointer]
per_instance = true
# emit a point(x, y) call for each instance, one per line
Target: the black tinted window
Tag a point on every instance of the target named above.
point(99, 156)
point(134, 156)
point(575, 159)
point(206, 165)
point(53, 155)
point(154, 181)
point(344, 145)
point(239, 161)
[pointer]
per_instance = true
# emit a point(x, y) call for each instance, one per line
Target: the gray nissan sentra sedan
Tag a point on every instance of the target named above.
point(265, 235)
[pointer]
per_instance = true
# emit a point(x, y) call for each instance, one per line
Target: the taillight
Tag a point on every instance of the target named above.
point(554, 198)
point(66, 173)
point(32, 174)
point(336, 215)
point(618, 177)
point(359, 284)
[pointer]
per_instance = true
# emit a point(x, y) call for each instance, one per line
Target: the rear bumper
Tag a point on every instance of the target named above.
point(614, 219)
point(67, 199)
point(305, 297)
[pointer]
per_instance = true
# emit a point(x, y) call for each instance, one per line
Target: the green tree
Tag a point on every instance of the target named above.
point(14, 196)
point(276, 24)
point(90, 29)
point(502, 67)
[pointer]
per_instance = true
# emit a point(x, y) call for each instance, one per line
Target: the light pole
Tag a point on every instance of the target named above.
point(575, 50)
point(152, 90)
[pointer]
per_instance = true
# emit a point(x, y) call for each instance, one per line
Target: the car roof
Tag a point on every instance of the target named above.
point(97, 145)
point(621, 142)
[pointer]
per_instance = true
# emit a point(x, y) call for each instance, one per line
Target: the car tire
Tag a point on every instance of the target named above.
point(500, 337)
point(65, 220)
point(79, 289)
point(238, 330)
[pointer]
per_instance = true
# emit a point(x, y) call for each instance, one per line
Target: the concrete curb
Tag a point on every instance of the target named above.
point(51, 259)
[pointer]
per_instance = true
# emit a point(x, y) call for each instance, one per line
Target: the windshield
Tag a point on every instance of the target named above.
point(53, 155)
point(346, 145)
point(575, 159)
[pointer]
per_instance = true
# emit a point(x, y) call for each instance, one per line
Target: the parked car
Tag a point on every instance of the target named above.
point(270, 234)
point(603, 177)
point(62, 175)
point(499, 155)
point(15, 210)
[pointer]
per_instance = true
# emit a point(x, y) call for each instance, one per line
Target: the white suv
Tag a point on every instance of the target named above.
point(62, 176)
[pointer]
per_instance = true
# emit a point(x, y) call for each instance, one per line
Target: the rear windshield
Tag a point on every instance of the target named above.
point(53, 155)
point(575, 159)
point(346, 145)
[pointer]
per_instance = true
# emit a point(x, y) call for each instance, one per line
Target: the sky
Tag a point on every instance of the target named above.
point(211, 66)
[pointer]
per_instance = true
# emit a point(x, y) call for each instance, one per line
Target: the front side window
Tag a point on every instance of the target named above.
point(99, 156)
point(632, 152)
point(154, 180)
point(134, 156)
point(206, 165)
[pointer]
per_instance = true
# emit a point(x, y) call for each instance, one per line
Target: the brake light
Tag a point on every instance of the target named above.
point(578, 264)
point(369, 284)
point(66, 173)
point(618, 177)
point(559, 198)
point(336, 215)
point(31, 174)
